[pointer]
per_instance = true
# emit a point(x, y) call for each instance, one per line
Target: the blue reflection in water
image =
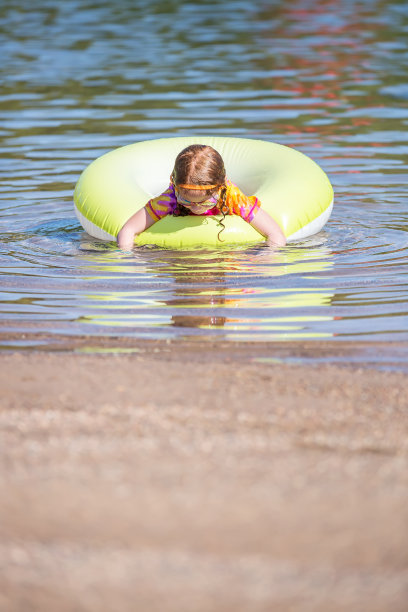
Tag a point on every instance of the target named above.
point(81, 78)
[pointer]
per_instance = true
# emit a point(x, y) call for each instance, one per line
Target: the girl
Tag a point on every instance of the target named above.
point(198, 186)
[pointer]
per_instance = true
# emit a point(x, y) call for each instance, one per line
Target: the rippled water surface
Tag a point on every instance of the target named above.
point(80, 78)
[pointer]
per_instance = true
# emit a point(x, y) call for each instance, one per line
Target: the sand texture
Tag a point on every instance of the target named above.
point(188, 478)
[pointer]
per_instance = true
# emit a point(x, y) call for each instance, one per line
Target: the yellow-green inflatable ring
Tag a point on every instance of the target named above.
point(292, 188)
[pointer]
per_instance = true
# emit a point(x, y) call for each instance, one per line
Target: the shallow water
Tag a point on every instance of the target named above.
point(80, 78)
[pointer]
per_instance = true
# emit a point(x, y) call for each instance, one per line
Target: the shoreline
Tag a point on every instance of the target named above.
point(185, 477)
point(371, 354)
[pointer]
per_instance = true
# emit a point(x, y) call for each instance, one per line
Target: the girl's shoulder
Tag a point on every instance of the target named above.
point(230, 186)
point(239, 203)
point(169, 192)
point(233, 190)
point(167, 195)
point(163, 204)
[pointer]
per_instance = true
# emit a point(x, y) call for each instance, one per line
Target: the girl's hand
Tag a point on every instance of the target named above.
point(133, 226)
point(268, 227)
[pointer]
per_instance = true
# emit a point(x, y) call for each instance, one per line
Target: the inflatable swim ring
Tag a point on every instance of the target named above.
point(292, 188)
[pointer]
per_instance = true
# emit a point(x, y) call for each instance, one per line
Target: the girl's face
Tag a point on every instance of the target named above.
point(195, 202)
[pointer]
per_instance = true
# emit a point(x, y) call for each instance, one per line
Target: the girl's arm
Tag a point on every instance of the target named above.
point(135, 225)
point(268, 227)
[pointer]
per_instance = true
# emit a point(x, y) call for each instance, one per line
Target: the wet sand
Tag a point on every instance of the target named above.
point(196, 477)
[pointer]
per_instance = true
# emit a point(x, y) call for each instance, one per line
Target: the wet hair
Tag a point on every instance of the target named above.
point(201, 165)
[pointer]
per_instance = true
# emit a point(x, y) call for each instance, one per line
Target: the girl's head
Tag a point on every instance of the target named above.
point(198, 177)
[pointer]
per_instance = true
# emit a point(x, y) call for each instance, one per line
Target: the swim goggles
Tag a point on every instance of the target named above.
point(184, 202)
point(212, 201)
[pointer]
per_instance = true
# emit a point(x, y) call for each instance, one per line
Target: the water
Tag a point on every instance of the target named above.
point(80, 78)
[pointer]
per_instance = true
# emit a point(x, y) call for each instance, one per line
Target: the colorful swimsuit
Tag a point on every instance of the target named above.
point(238, 204)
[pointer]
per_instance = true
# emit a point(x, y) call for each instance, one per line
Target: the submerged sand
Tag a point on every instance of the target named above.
point(191, 477)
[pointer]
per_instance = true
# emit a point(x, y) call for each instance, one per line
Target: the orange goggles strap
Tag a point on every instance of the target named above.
point(198, 187)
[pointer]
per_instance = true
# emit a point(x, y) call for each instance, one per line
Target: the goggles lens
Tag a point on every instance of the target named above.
point(209, 201)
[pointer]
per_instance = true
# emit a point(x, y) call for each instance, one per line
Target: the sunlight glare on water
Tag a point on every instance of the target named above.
point(82, 78)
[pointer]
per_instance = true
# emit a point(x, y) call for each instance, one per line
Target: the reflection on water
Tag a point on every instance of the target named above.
point(222, 291)
point(81, 78)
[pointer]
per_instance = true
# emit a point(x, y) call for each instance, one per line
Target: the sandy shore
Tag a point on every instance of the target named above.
point(190, 477)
